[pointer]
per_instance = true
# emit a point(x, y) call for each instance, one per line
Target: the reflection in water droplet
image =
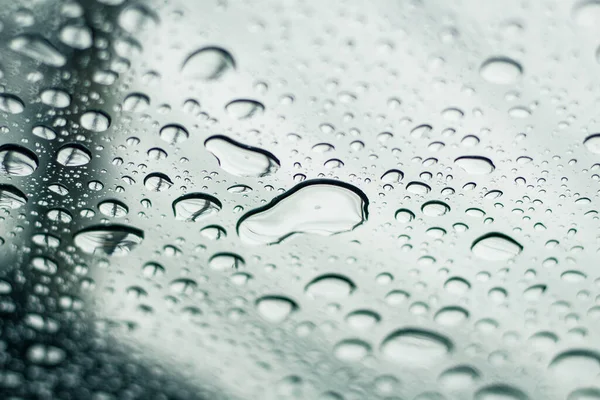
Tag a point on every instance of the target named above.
point(330, 286)
point(11, 104)
point(244, 108)
point(111, 240)
point(173, 133)
point(95, 121)
point(475, 164)
point(73, 155)
point(44, 132)
point(11, 197)
point(415, 347)
point(586, 13)
point(213, 232)
point(495, 247)
point(435, 208)
point(351, 350)
point(157, 182)
point(56, 98)
point(17, 160)
point(592, 143)
point(137, 18)
point(418, 188)
point(195, 206)
point(500, 392)
point(322, 207)
point(275, 309)
point(501, 70)
point(207, 63)
point(241, 160)
point(224, 261)
point(37, 48)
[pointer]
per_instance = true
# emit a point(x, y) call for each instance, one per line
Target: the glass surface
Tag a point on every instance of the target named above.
point(299, 199)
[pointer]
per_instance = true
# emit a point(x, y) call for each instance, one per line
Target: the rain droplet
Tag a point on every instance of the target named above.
point(495, 247)
point(157, 182)
point(11, 104)
point(351, 350)
point(37, 48)
point(111, 240)
point(113, 208)
point(592, 142)
point(11, 197)
point(137, 18)
point(136, 102)
point(501, 70)
point(321, 207)
point(73, 155)
point(241, 160)
point(17, 160)
point(207, 63)
point(330, 287)
point(415, 347)
point(451, 316)
point(195, 206)
point(500, 392)
point(475, 165)
point(244, 108)
point(363, 319)
point(76, 36)
point(435, 208)
point(95, 121)
point(44, 132)
point(225, 261)
point(275, 309)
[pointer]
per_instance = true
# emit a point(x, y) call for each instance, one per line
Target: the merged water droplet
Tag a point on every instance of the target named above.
point(11, 197)
point(195, 206)
point(321, 207)
point(496, 247)
point(36, 47)
point(241, 160)
point(17, 160)
point(501, 70)
point(11, 104)
point(73, 155)
point(475, 165)
point(275, 309)
point(76, 36)
point(330, 287)
point(207, 63)
point(111, 240)
point(415, 347)
point(244, 108)
point(95, 121)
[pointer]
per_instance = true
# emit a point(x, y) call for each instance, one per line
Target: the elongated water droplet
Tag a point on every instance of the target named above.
point(475, 164)
point(111, 240)
point(38, 48)
point(241, 160)
point(495, 247)
point(321, 207)
point(195, 206)
point(500, 392)
point(17, 160)
point(207, 63)
point(56, 98)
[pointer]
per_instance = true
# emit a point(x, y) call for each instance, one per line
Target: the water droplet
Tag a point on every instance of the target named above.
point(451, 316)
point(586, 14)
point(275, 309)
point(592, 142)
point(45, 354)
point(585, 394)
point(76, 36)
point(415, 347)
point(404, 216)
point(59, 215)
point(136, 102)
point(73, 155)
point(330, 287)
point(241, 160)
point(321, 207)
point(174, 134)
point(213, 232)
point(459, 378)
point(113, 208)
point(363, 320)
point(207, 63)
point(95, 121)
point(17, 160)
point(576, 365)
point(157, 182)
point(195, 206)
point(475, 165)
point(137, 18)
point(244, 108)
point(225, 261)
point(183, 286)
point(11, 197)
point(37, 48)
point(418, 188)
point(44, 132)
point(111, 240)
point(435, 208)
point(501, 70)
point(351, 350)
point(495, 247)
point(499, 392)
point(11, 104)
point(392, 176)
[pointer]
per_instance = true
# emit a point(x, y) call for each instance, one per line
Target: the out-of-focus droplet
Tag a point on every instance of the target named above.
point(37, 48)
point(11, 197)
point(111, 240)
point(241, 160)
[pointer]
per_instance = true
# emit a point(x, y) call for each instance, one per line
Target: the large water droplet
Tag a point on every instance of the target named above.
point(459, 378)
point(207, 63)
point(435, 208)
point(157, 182)
point(576, 365)
point(475, 164)
point(11, 104)
point(330, 286)
point(112, 240)
point(501, 70)
point(113, 208)
point(17, 160)
point(587, 13)
point(451, 316)
point(37, 48)
point(95, 121)
point(241, 160)
point(173, 133)
point(321, 207)
point(56, 98)
point(500, 392)
point(351, 350)
point(592, 143)
point(195, 206)
point(73, 155)
point(496, 247)
point(275, 308)
point(11, 197)
point(244, 108)
point(136, 102)
point(415, 347)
